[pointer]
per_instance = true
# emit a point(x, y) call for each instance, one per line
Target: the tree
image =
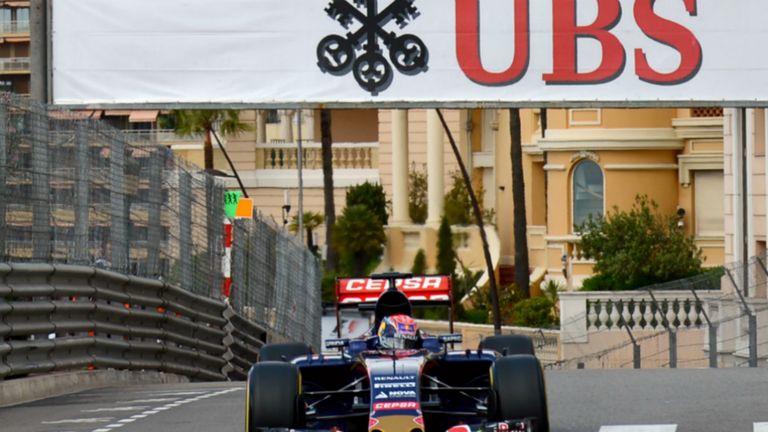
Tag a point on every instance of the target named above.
point(419, 263)
point(372, 196)
point(480, 224)
point(359, 239)
point(330, 207)
point(311, 221)
point(522, 266)
point(193, 122)
point(417, 195)
point(638, 248)
point(446, 256)
point(458, 205)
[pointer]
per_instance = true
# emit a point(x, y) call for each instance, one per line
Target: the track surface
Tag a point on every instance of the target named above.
point(591, 400)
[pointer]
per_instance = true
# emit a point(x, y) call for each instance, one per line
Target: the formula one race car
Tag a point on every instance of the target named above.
point(397, 379)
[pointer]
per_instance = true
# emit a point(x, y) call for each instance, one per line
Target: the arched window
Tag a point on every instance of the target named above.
point(588, 194)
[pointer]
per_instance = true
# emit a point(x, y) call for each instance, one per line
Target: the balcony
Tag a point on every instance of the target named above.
point(167, 137)
point(15, 65)
point(14, 28)
point(275, 164)
point(284, 156)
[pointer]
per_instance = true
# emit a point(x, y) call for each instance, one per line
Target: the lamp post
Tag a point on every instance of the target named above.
point(286, 207)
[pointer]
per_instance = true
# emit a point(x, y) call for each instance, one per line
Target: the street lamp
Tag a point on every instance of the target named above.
point(286, 207)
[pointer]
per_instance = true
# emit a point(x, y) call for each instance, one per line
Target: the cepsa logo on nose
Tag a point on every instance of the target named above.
point(387, 406)
point(378, 285)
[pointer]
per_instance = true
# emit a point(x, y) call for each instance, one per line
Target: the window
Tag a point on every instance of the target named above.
point(587, 191)
point(710, 214)
point(22, 14)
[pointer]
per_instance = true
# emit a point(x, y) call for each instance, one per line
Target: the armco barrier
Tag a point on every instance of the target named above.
point(65, 317)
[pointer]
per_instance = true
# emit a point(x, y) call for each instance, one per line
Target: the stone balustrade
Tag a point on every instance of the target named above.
point(284, 156)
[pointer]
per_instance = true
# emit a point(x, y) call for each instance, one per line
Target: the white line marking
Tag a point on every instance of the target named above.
point(143, 401)
point(130, 408)
point(760, 427)
point(640, 428)
point(183, 393)
point(174, 404)
point(82, 420)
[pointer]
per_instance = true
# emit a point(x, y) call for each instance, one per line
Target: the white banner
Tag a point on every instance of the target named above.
point(398, 52)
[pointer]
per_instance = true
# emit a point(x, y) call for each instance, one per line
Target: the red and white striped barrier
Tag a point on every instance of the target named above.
point(226, 260)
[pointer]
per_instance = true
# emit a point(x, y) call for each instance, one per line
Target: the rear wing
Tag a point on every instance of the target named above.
point(425, 291)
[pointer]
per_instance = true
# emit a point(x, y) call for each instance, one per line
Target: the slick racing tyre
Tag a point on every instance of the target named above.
point(518, 391)
point(283, 352)
point(508, 345)
point(273, 398)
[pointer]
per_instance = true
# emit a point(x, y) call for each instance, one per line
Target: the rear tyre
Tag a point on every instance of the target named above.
point(283, 352)
point(274, 397)
point(519, 391)
point(508, 345)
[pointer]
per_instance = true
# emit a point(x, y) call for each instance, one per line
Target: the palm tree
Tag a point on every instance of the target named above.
point(518, 199)
point(479, 219)
point(311, 221)
point(330, 206)
point(193, 122)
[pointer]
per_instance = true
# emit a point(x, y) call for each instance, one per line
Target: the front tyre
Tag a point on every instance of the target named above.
point(508, 345)
point(273, 397)
point(518, 391)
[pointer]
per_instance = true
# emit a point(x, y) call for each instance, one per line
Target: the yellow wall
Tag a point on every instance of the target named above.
point(351, 125)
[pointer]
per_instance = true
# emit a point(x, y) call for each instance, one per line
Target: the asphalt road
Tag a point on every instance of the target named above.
point(588, 400)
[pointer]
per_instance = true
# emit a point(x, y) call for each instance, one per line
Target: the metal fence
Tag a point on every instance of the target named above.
point(63, 317)
point(77, 191)
point(718, 319)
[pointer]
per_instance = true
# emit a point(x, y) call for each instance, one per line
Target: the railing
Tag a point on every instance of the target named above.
point(63, 317)
point(161, 136)
point(14, 27)
point(284, 156)
point(15, 64)
point(638, 311)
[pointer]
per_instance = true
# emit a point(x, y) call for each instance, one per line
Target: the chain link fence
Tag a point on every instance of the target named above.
point(77, 191)
point(717, 319)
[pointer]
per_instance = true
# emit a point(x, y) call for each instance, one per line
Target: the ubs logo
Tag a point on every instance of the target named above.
point(362, 50)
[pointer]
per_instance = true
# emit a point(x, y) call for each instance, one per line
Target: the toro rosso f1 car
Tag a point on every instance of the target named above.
point(396, 379)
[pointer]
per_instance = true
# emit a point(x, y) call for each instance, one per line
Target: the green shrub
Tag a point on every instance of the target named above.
point(328, 287)
point(419, 263)
point(638, 247)
point(372, 197)
point(417, 195)
point(533, 312)
point(458, 206)
point(446, 256)
point(359, 239)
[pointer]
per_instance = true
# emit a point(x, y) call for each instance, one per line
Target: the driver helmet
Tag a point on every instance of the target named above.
point(398, 332)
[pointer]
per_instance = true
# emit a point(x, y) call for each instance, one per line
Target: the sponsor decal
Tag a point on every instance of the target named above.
point(381, 395)
point(395, 378)
point(402, 394)
point(397, 385)
point(361, 50)
point(390, 406)
point(372, 422)
point(460, 428)
point(419, 420)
